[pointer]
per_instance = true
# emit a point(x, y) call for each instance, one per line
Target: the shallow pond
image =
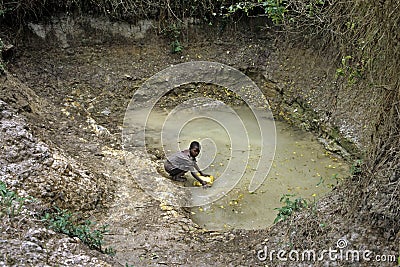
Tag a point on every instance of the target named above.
point(301, 167)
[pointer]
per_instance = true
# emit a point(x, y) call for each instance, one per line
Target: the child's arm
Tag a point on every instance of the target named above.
point(204, 183)
point(198, 169)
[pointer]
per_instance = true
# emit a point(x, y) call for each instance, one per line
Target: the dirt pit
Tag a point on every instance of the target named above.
point(84, 91)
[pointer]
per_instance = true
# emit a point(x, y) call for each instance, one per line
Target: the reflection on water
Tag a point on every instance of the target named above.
point(300, 167)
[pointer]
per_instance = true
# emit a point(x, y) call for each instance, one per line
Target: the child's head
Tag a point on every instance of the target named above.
point(194, 149)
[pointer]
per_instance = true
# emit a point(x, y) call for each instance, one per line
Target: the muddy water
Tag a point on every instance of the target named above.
point(301, 167)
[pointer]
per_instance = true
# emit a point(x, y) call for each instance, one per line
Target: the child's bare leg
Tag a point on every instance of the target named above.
point(179, 177)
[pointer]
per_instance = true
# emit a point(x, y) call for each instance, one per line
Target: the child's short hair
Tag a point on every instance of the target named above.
point(194, 144)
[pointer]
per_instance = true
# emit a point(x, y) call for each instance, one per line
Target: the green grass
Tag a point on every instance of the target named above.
point(10, 203)
point(290, 206)
point(88, 232)
point(59, 220)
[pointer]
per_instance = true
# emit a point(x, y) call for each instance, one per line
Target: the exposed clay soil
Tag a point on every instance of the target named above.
point(72, 101)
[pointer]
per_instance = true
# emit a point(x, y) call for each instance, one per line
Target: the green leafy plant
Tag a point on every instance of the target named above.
point(176, 46)
point(173, 33)
point(274, 9)
point(110, 251)
point(10, 203)
point(7, 7)
point(290, 206)
point(66, 222)
point(352, 71)
point(312, 8)
point(356, 167)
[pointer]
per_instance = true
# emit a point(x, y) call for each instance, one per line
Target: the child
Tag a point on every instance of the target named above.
point(183, 161)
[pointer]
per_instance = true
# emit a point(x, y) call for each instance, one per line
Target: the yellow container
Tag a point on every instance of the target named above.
point(209, 180)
